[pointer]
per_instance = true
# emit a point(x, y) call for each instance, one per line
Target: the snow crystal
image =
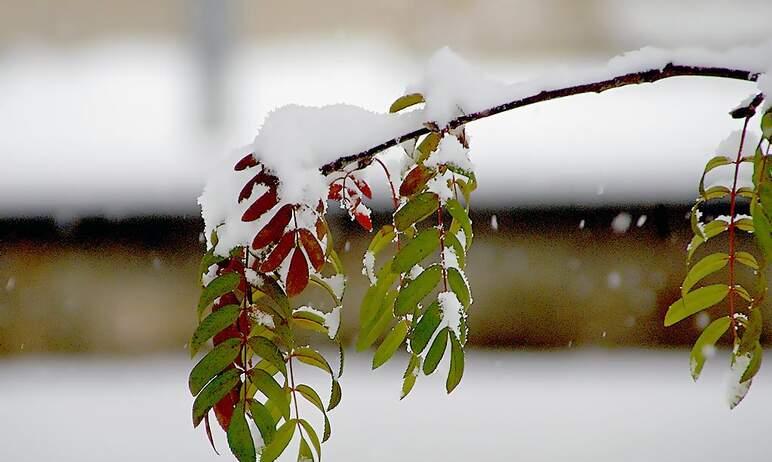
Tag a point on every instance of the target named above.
point(600, 190)
point(368, 267)
point(702, 320)
point(494, 222)
point(709, 351)
point(581, 223)
point(641, 221)
point(614, 280)
point(347, 246)
point(621, 223)
point(11, 284)
point(452, 311)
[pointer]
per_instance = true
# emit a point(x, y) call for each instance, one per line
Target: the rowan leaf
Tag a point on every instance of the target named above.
point(456, 364)
point(263, 204)
point(425, 327)
point(218, 287)
point(755, 363)
point(312, 436)
point(268, 351)
point(308, 355)
point(418, 248)
point(704, 268)
point(335, 396)
point(436, 351)
point(239, 437)
point(263, 419)
point(415, 290)
point(747, 259)
point(268, 386)
point(458, 285)
point(381, 239)
point(707, 340)
point(459, 214)
point(379, 322)
point(280, 441)
point(213, 324)
point(406, 101)
point(269, 287)
point(390, 344)
point(279, 253)
point(415, 180)
point(694, 302)
point(313, 249)
point(274, 230)
point(213, 392)
point(410, 375)
point(415, 210)
point(297, 276)
point(213, 363)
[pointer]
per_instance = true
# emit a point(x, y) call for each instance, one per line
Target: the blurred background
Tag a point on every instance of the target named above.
point(112, 113)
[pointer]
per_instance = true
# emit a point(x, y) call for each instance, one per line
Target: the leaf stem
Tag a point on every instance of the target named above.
point(732, 206)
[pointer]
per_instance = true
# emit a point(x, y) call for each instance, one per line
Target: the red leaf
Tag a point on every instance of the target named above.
point(223, 410)
point(313, 249)
point(261, 205)
point(274, 229)
point(279, 253)
point(364, 187)
point(209, 433)
point(334, 192)
point(297, 277)
point(321, 230)
point(246, 162)
point(415, 180)
point(364, 220)
point(262, 178)
point(352, 194)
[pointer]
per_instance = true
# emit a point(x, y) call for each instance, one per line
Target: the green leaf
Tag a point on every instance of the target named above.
point(766, 125)
point(747, 259)
point(763, 232)
point(313, 397)
point(710, 230)
point(752, 333)
point(239, 437)
point(416, 250)
point(765, 196)
point(271, 389)
point(755, 363)
point(312, 436)
point(427, 146)
point(372, 302)
point(263, 420)
point(406, 101)
point(280, 441)
point(312, 357)
point(459, 214)
point(456, 364)
point(452, 242)
point(268, 351)
point(213, 363)
point(425, 328)
point(715, 162)
point(416, 209)
point(214, 392)
point(694, 302)
point(375, 327)
point(209, 259)
point(218, 287)
point(212, 325)
point(715, 192)
point(390, 344)
point(382, 238)
point(707, 339)
point(436, 351)
point(304, 451)
point(410, 375)
point(459, 287)
point(335, 396)
point(415, 290)
point(268, 286)
point(703, 268)
point(744, 224)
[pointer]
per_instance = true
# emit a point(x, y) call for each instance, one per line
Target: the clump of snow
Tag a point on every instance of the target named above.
point(450, 259)
point(641, 221)
point(494, 222)
point(581, 223)
point(336, 282)
point(621, 223)
point(415, 271)
point(736, 390)
point(209, 276)
point(452, 311)
point(438, 184)
point(332, 321)
point(253, 278)
point(450, 152)
point(368, 267)
point(263, 319)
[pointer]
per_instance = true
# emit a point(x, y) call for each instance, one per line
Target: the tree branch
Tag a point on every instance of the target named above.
point(649, 76)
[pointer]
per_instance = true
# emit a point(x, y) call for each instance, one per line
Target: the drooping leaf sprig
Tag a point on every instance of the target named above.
point(743, 301)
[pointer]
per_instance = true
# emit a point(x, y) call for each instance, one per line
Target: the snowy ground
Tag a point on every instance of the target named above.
point(579, 406)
